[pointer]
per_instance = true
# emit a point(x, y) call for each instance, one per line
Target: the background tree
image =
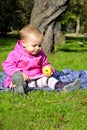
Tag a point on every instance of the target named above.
point(84, 18)
point(45, 15)
point(14, 14)
point(74, 19)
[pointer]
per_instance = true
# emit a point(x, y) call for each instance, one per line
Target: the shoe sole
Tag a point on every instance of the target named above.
point(17, 81)
point(72, 86)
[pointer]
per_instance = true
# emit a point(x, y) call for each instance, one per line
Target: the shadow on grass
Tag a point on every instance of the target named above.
point(72, 47)
point(7, 41)
point(75, 38)
point(72, 50)
point(13, 36)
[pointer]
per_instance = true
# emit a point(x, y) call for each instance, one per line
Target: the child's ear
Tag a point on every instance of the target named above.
point(23, 43)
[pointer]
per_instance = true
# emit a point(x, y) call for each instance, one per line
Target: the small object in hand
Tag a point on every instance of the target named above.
point(47, 70)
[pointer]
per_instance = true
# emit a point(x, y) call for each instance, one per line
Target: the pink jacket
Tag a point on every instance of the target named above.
point(20, 60)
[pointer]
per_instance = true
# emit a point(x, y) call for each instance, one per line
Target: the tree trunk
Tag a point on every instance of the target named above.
point(78, 26)
point(59, 38)
point(45, 15)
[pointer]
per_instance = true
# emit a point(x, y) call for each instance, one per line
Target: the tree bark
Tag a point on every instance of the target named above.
point(78, 26)
point(45, 15)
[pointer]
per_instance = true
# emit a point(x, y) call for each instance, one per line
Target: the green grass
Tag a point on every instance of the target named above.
point(41, 110)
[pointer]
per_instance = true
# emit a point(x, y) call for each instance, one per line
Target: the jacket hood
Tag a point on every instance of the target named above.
point(20, 49)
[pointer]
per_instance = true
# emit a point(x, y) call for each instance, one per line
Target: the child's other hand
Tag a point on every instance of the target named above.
point(25, 77)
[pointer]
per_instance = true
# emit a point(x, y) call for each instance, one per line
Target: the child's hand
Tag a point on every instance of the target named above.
point(47, 70)
point(25, 77)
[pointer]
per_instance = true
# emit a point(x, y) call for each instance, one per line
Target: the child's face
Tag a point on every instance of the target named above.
point(32, 44)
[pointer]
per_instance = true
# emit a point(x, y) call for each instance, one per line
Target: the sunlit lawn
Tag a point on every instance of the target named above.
point(41, 110)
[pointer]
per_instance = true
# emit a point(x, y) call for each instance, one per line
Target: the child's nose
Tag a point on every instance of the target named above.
point(37, 47)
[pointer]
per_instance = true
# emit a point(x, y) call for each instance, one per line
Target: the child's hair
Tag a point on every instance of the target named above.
point(29, 29)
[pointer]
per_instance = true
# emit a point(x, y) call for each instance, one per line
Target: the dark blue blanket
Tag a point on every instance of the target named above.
point(2, 79)
point(69, 75)
point(66, 75)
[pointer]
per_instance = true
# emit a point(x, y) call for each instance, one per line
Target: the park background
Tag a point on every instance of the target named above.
point(42, 110)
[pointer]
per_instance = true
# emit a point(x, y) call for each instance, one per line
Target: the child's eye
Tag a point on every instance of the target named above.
point(39, 45)
point(34, 45)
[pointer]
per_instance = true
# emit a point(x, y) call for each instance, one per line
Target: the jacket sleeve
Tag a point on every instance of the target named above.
point(45, 62)
point(10, 64)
